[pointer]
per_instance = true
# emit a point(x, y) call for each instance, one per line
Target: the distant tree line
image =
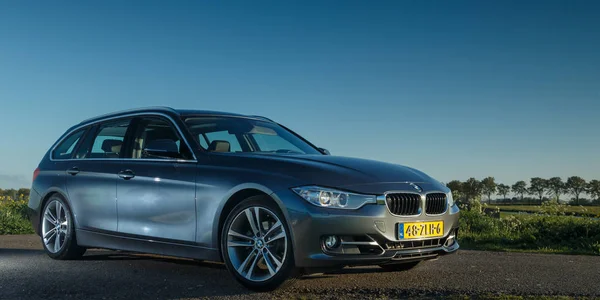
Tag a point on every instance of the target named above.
point(537, 188)
point(15, 193)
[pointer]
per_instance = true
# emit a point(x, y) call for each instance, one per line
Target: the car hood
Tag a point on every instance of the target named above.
point(333, 171)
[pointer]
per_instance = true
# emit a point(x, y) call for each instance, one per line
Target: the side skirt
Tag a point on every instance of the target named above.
point(92, 239)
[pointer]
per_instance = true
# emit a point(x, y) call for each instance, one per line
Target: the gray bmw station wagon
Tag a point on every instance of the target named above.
point(240, 189)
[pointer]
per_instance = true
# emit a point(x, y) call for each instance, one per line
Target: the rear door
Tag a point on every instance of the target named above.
point(157, 195)
point(92, 176)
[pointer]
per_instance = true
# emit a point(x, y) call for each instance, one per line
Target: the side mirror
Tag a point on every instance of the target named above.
point(162, 148)
point(324, 151)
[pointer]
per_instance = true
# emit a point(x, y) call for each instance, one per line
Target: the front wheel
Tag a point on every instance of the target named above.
point(256, 245)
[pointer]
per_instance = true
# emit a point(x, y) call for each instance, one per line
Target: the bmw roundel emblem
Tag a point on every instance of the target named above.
point(418, 188)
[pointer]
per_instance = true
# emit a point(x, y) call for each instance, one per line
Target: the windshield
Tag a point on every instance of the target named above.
point(235, 135)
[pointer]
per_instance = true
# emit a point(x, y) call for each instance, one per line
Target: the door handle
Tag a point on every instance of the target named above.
point(73, 171)
point(126, 174)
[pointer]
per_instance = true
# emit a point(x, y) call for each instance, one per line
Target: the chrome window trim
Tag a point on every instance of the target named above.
point(132, 115)
point(383, 200)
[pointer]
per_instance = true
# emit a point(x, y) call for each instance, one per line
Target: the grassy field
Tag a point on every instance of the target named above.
point(13, 216)
point(551, 231)
point(593, 211)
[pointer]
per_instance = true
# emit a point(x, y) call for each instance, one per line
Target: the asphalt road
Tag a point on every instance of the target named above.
point(27, 273)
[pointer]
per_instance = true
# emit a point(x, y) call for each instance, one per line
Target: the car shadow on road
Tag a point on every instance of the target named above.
point(142, 276)
point(116, 256)
point(357, 270)
point(131, 256)
point(13, 251)
point(345, 271)
point(149, 275)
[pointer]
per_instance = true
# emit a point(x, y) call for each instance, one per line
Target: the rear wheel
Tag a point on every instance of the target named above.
point(58, 230)
point(256, 244)
point(400, 267)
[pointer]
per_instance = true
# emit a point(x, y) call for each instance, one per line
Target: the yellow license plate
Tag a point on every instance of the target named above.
point(420, 230)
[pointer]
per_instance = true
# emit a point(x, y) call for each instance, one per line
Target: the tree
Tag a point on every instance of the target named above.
point(15, 194)
point(457, 189)
point(556, 187)
point(519, 188)
point(471, 188)
point(593, 188)
point(10, 193)
point(488, 187)
point(503, 190)
point(24, 192)
point(538, 186)
point(576, 185)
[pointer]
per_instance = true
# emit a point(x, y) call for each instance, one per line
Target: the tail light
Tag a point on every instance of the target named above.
point(36, 172)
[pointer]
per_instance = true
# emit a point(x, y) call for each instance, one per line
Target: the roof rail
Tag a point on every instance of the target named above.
point(133, 110)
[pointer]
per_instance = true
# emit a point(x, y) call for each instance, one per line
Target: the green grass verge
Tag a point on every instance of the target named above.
point(13, 216)
point(529, 233)
point(591, 211)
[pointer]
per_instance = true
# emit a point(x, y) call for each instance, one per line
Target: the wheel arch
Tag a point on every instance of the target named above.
point(51, 192)
point(237, 195)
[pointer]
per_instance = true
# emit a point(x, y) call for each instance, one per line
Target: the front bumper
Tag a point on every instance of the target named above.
point(368, 235)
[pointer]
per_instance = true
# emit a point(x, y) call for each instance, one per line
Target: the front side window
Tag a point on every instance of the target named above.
point(109, 140)
point(156, 138)
point(65, 149)
point(234, 134)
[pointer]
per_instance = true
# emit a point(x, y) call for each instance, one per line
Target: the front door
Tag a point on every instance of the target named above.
point(156, 195)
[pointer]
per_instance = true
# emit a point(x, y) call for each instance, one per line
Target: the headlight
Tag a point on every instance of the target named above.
point(450, 199)
point(326, 197)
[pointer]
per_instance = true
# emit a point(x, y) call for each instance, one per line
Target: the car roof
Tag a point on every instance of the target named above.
point(172, 111)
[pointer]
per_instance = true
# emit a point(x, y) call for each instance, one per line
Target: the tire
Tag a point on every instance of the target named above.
point(67, 247)
point(400, 266)
point(243, 246)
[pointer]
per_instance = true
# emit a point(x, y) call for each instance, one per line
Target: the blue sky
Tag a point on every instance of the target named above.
point(456, 89)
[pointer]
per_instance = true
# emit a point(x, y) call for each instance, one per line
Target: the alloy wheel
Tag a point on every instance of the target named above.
point(55, 226)
point(257, 243)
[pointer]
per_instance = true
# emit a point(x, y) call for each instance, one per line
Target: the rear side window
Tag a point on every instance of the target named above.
point(109, 139)
point(65, 149)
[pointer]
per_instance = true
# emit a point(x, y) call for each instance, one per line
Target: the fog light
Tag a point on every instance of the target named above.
point(449, 241)
point(332, 241)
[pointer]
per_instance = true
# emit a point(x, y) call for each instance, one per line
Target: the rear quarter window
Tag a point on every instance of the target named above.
point(65, 149)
